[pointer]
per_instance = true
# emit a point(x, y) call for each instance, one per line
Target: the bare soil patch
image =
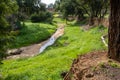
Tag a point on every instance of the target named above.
point(94, 66)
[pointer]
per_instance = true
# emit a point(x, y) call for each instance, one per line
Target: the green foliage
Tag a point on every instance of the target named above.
point(32, 33)
point(42, 17)
point(67, 7)
point(96, 8)
point(102, 65)
point(59, 20)
point(57, 58)
point(7, 7)
point(79, 8)
point(28, 7)
point(22, 16)
point(114, 64)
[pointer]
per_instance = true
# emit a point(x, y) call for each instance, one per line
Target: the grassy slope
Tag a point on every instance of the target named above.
point(58, 58)
point(33, 33)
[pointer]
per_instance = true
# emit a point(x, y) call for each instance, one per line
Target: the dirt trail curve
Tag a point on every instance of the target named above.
point(33, 50)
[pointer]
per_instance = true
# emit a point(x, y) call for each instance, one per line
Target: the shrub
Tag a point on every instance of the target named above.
point(42, 17)
point(49, 17)
point(17, 26)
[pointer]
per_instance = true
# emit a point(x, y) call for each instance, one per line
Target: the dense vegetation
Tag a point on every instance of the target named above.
point(56, 59)
point(42, 17)
point(81, 8)
point(7, 7)
point(32, 33)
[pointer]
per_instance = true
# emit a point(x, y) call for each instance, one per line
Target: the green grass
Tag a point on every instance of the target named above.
point(57, 58)
point(32, 33)
point(58, 20)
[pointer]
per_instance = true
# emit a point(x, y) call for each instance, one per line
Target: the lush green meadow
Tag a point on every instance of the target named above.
point(32, 33)
point(57, 58)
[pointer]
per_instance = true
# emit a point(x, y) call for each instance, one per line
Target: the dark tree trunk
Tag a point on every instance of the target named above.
point(91, 21)
point(80, 17)
point(114, 31)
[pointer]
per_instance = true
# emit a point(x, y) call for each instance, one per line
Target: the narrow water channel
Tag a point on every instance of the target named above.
point(54, 37)
point(50, 42)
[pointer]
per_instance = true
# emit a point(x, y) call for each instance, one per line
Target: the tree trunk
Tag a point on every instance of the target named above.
point(66, 20)
point(91, 21)
point(114, 31)
point(80, 17)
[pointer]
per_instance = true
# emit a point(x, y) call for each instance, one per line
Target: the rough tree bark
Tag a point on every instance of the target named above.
point(114, 31)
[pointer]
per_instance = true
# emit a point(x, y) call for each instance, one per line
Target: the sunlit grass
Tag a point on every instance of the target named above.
point(59, 20)
point(32, 33)
point(57, 58)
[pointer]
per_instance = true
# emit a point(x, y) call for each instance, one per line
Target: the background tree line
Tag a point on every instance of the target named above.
point(34, 9)
point(81, 8)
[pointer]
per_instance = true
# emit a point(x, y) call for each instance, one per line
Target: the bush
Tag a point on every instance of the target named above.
point(42, 17)
point(17, 26)
point(49, 17)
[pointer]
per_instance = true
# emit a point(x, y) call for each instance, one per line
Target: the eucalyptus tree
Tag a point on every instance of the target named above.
point(114, 31)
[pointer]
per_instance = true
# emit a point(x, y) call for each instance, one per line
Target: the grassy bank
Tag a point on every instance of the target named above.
point(32, 33)
point(57, 58)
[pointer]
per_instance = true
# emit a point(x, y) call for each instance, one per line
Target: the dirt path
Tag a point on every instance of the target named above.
point(33, 50)
point(93, 66)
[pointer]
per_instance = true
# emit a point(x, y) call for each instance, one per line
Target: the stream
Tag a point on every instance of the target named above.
point(51, 41)
point(32, 50)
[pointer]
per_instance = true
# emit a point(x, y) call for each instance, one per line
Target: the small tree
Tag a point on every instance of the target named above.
point(7, 7)
point(67, 8)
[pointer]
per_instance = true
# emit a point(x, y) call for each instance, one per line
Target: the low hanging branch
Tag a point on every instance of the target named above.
point(103, 39)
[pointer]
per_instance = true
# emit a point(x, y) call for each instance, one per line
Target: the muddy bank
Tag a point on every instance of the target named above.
point(94, 66)
point(35, 49)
